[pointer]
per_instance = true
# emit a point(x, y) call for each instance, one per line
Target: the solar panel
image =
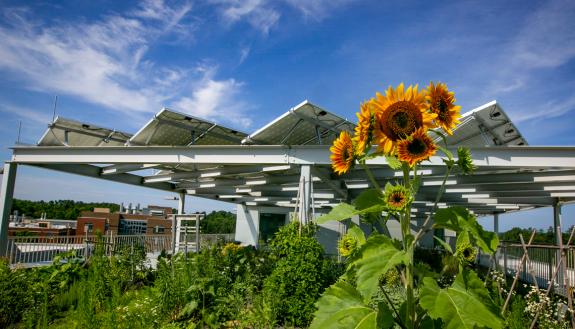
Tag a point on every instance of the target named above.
point(304, 124)
point(177, 129)
point(66, 132)
point(484, 126)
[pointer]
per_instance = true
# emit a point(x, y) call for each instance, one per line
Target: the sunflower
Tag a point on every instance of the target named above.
point(441, 102)
point(398, 114)
point(396, 197)
point(342, 153)
point(465, 252)
point(364, 129)
point(347, 245)
point(464, 161)
point(416, 148)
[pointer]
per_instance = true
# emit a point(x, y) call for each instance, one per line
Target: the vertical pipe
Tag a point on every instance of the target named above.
point(558, 240)
point(6, 195)
point(305, 195)
point(496, 231)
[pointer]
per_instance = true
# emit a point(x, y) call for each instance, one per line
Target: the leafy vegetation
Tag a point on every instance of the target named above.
point(225, 285)
point(219, 222)
point(60, 209)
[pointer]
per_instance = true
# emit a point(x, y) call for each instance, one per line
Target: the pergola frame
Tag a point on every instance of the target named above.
point(508, 178)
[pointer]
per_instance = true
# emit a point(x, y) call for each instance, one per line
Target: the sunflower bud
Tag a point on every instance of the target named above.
point(464, 161)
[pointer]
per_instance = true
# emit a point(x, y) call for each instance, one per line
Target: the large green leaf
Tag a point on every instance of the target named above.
point(460, 219)
point(344, 211)
point(466, 304)
point(377, 256)
point(357, 233)
point(368, 198)
point(341, 307)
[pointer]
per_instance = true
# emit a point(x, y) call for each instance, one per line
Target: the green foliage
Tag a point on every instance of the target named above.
point(60, 209)
point(466, 304)
point(377, 256)
point(462, 221)
point(218, 222)
point(15, 295)
point(299, 276)
point(342, 307)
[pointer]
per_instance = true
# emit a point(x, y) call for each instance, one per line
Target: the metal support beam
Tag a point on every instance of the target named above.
point(181, 203)
point(512, 157)
point(6, 195)
point(305, 202)
point(496, 231)
point(557, 220)
point(94, 171)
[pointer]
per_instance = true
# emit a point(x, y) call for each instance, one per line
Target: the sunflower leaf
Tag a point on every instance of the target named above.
point(341, 306)
point(393, 162)
point(446, 152)
point(444, 244)
point(368, 198)
point(344, 211)
point(459, 219)
point(465, 304)
point(377, 256)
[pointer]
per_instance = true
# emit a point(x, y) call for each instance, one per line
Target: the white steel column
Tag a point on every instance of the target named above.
point(181, 203)
point(304, 214)
point(556, 228)
point(496, 231)
point(556, 220)
point(6, 195)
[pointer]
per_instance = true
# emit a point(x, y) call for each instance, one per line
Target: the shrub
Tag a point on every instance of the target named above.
point(300, 275)
point(15, 296)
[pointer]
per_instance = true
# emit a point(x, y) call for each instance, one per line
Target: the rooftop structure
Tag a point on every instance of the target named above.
point(286, 164)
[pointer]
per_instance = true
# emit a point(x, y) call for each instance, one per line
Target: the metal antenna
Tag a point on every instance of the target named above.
point(55, 105)
point(19, 131)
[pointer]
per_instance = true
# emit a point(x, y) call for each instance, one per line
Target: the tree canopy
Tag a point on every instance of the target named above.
point(58, 209)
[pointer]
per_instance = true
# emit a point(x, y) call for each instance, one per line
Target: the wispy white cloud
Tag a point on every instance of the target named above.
point(256, 12)
point(244, 53)
point(552, 109)
point(265, 15)
point(105, 62)
point(27, 114)
point(317, 9)
point(216, 100)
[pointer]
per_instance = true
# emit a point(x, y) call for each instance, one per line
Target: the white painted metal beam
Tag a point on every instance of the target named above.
point(525, 157)
point(6, 196)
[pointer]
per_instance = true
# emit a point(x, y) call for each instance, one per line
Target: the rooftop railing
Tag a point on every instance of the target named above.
point(30, 251)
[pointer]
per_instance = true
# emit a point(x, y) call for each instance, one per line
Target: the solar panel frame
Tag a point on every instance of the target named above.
point(173, 128)
point(485, 126)
point(300, 126)
point(80, 134)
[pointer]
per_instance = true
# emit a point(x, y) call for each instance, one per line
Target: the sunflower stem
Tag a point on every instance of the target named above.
point(424, 228)
point(370, 176)
point(406, 233)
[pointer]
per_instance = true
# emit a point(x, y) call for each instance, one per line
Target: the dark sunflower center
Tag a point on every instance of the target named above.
point(442, 109)
point(417, 146)
point(466, 252)
point(403, 118)
point(396, 198)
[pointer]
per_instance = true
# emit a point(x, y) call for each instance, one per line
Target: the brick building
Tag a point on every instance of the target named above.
point(157, 221)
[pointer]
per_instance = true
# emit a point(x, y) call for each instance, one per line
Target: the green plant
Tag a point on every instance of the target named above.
point(397, 125)
point(299, 276)
point(15, 294)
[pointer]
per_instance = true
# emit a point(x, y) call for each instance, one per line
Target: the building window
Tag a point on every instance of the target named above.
point(132, 227)
point(89, 227)
point(159, 230)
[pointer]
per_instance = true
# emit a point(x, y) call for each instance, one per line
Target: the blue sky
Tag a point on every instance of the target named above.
point(242, 63)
